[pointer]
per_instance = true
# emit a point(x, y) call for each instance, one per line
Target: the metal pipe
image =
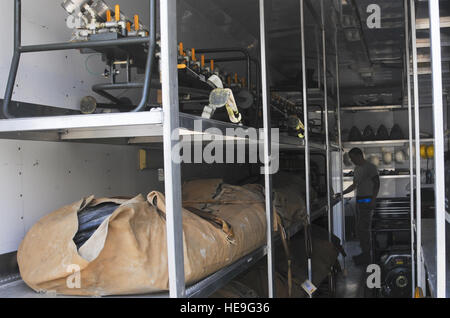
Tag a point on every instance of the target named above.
point(172, 170)
point(150, 58)
point(327, 132)
point(419, 257)
point(100, 89)
point(82, 45)
point(410, 127)
point(15, 60)
point(107, 95)
point(267, 152)
point(108, 86)
point(305, 123)
point(341, 166)
point(319, 78)
point(228, 50)
point(439, 167)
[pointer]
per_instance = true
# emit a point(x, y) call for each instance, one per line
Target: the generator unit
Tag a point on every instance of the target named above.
point(396, 275)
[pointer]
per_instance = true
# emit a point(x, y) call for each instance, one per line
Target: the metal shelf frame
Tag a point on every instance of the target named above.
point(381, 143)
point(160, 125)
point(433, 23)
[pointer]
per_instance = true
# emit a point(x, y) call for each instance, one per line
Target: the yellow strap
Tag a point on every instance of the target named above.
point(418, 293)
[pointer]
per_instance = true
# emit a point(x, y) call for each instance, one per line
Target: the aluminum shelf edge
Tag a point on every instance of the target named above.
point(375, 143)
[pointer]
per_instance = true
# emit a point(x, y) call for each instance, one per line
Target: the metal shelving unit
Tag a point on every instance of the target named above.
point(158, 125)
point(402, 176)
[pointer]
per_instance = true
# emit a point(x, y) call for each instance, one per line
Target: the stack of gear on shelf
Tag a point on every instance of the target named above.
point(291, 269)
point(286, 116)
point(368, 134)
point(118, 245)
point(228, 90)
point(94, 20)
point(289, 197)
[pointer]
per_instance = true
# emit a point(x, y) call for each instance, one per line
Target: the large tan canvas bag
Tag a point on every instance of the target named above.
point(127, 254)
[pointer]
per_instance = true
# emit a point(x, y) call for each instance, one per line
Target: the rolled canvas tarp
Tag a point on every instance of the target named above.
point(127, 253)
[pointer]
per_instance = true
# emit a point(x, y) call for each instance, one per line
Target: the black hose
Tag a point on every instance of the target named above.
point(16, 58)
point(150, 59)
point(90, 219)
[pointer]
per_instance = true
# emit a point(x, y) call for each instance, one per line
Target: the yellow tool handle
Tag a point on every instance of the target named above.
point(108, 16)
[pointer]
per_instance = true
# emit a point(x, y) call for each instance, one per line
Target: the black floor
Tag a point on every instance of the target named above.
point(350, 281)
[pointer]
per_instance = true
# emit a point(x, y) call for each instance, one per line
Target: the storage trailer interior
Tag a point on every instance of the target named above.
point(236, 118)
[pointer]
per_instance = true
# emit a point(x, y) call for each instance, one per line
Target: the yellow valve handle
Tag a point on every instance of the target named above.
point(108, 16)
point(202, 63)
point(136, 22)
point(235, 78)
point(194, 58)
point(181, 49)
point(181, 66)
point(128, 26)
point(117, 12)
point(212, 65)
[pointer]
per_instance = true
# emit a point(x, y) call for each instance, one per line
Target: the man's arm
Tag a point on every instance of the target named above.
point(348, 190)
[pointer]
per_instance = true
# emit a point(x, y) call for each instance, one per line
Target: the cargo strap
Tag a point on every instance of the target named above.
point(284, 240)
point(215, 221)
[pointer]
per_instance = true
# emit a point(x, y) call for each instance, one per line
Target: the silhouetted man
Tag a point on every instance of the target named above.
point(366, 183)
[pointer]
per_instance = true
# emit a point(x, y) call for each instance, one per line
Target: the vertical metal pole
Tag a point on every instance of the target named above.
point(305, 122)
point(16, 57)
point(318, 57)
point(267, 150)
point(327, 131)
point(172, 174)
point(420, 281)
point(411, 164)
point(439, 168)
point(341, 166)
